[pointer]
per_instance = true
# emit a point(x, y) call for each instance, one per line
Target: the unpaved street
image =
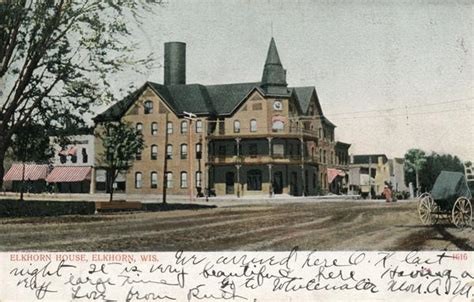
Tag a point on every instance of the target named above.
point(356, 225)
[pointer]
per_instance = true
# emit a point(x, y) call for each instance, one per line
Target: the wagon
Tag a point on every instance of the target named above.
point(450, 198)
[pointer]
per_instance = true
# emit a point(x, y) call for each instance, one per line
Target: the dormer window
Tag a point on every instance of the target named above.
point(148, 107)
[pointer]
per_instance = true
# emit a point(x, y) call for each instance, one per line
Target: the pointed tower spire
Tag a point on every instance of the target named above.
point(274, 75)
point(272, 55)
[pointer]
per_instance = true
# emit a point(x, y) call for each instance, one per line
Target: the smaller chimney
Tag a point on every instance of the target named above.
point(175, 63)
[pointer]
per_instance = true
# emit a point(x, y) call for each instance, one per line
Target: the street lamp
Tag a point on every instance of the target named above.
point(190, 117)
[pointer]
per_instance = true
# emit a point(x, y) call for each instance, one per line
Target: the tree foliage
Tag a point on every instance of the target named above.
point(121, 143)
point(30, 143)
point(430, 168)
point(56, 58)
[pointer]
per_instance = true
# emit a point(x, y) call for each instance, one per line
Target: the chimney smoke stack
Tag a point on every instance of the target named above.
point(175, 63)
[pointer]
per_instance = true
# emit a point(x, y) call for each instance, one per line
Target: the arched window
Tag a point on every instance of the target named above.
point(198, 179)
point(138, 180)
point(169, 127)
point(148, 107)
point(198, 151)
point(184, 180)
point(184, 151)
point(169, 151)
point(138, 156)
point(320, 155)
point(154, 152)
point(254, 180)
point(139, 127)
point(278, 126)
point(169, 179)
point(154, 180)
point(198, 126)
point(184, 127)
point(154, 128)
point(253, 125)
point(236, 126)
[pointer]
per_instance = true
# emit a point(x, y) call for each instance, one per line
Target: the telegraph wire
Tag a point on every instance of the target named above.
point(402, 107)
point(403, 114)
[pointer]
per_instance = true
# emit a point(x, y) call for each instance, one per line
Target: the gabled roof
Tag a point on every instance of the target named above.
point(304, 96)
point(206, 100)
point(195, 98)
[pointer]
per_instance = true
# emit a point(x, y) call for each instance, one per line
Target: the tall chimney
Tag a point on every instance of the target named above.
point(175, 63)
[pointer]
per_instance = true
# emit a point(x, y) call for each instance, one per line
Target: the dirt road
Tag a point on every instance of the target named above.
point(359, 225)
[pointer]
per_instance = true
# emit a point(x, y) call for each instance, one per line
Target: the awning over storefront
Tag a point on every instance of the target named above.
point(69, 174)
point(32, 172)
point(333, 173)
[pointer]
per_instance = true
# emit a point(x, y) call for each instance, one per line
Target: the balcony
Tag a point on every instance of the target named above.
point(259, 159)
point(286, 132)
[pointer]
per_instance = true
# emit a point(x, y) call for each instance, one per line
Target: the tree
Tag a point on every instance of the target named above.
point(414, 161)
point(56, 57)
point(30, 143)
point(121, 143)
point(435, 163)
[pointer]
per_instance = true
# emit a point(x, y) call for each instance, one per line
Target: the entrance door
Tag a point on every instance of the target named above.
point(278, 182)
point(229, 183)
point(293, 184)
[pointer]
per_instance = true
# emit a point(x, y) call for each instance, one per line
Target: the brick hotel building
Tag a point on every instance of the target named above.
point(237, 139)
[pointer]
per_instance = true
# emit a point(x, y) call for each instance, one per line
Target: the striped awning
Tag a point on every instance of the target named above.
point(32, 172)
point(69, 174)
point(333, 173)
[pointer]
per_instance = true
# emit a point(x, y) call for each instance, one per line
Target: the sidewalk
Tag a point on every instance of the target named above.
point(221, 201)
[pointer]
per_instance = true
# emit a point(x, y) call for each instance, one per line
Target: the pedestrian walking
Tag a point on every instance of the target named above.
point(387, 192)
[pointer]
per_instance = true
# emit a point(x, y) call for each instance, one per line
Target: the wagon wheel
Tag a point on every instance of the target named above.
point(424, 195)
point(462, 212)
point(428, 210)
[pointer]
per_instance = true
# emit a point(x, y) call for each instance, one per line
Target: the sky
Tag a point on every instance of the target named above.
point(392, 75)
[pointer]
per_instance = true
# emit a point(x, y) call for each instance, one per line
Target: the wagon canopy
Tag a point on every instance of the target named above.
point(449, 186)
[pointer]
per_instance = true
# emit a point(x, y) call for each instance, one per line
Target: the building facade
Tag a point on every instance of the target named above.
point(73, 164)
point(234, 139)
point(371, 172)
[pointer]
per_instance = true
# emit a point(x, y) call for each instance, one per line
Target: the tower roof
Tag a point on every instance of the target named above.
point(274, 75)
point(272, 55)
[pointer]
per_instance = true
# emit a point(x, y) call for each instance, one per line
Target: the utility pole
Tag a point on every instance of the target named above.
point(370, 177)
point(191, 117)
point(165, 163)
